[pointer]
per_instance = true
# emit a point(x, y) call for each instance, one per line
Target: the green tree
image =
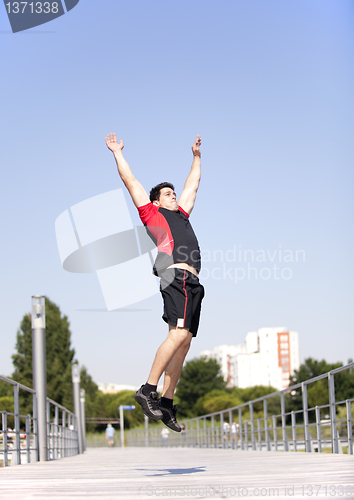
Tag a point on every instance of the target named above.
point(258, 391)
point(317, 392)
point(107, 406)
point(5, 389)
point(312, 368)
point(199, 376)
point(59, 356)
point(216, 400)
point(91, 395)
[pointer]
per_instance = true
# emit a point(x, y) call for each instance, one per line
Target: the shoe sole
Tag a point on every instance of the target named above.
point(142, 402)
point(169, 426)
point(172, 429)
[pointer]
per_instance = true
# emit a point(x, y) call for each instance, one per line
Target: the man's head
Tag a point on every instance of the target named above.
point(163, 195)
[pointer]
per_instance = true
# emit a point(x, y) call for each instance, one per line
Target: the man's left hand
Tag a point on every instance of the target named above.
point(196, 146)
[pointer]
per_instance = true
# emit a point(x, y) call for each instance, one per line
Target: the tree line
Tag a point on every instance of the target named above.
point(202, 390)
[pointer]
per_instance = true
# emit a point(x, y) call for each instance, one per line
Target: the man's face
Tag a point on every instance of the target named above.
point(167, 200)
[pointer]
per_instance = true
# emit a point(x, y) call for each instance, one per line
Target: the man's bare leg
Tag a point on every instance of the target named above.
point(174, 368)
point(147, 396)
point(177, 337)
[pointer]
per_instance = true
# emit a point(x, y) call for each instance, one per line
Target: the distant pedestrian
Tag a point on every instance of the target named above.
point(110, 435)
point(226, 429)
point(10, 437)
point(164, 434)
point(235, 430)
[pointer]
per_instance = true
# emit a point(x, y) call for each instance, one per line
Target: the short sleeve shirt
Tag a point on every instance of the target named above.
point(173, 234)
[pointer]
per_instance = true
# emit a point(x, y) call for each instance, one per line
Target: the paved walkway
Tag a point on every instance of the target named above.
point(139, 473)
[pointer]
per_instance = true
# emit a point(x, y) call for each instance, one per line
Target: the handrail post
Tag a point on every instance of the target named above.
point(245, 424)
point(35, 425)
point(223, 435)
point(267, 437)
point(240, 427)
point(275, 432)
point(49, 434)
point(231, 440)
point(198, 435)
point(318, 429)
point(121, 425)
point(17, 423)
point(259, 434)
point(56, 433)
point(293, 427)
point(4, 438)
point(60, 439)
point(306, 417)
point(68, 433)
point(332, 406)
point(63, 423)
point(28, 438)
point(349, 428)
point(253, 437)
point(205, 431)
point(283, 422)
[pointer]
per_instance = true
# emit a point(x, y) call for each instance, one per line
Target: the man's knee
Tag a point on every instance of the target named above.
point(181, 336)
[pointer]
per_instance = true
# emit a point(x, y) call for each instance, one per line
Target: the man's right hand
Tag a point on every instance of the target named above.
point(112, 144)
point(136, 190)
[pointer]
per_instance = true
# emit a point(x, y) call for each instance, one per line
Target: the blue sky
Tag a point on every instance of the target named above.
point(269, 87)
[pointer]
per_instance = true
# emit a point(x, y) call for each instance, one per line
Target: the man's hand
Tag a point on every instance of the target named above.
point(196, 146)
point(136, 190)
point(112, 144)
point(191, 185)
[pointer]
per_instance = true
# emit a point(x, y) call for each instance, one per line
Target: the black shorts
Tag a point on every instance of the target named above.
point(182, 298)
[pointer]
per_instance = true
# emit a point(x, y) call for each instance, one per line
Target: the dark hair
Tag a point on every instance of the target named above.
point(155, 191)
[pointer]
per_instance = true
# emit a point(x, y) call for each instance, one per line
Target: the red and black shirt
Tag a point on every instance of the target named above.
point(173, 234)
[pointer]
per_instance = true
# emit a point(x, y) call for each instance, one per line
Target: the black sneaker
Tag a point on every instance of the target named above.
point(169, 418)
point(149, 404)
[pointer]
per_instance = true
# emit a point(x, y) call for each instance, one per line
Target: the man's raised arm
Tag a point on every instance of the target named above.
point(191, 185)
point(136, 190)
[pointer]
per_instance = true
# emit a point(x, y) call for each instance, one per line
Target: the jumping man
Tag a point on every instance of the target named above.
point(177, 265)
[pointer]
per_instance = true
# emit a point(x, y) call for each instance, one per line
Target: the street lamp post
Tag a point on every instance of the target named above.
point(76, 390)
point(121, 408)
point(39, 371)
point(83, 419)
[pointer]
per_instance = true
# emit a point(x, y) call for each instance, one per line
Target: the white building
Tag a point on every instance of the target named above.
point(112, 388)
point(267, 357)
point(223, 354)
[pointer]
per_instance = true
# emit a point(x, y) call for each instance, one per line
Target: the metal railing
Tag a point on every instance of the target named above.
point(243, 428)
point(20, 444)
point(62, 433)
